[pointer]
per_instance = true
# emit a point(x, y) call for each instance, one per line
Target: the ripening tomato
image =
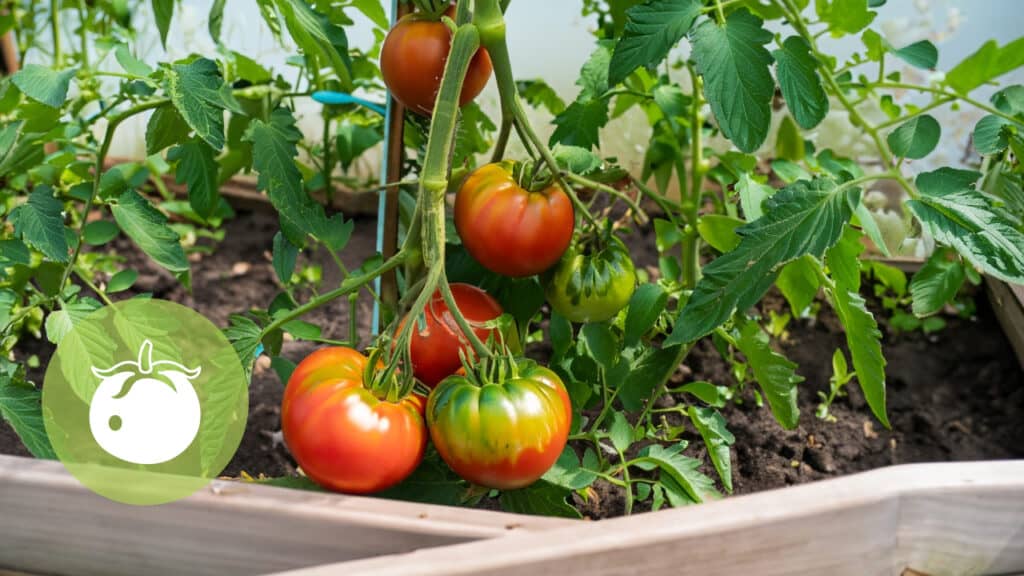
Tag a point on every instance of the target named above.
point(508, 229)
point(592, 282)
point(341, 434)
point(502, 434)
point(412, 62)
point(434, 350)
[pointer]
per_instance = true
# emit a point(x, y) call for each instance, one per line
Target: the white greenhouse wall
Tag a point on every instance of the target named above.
point(550, 39)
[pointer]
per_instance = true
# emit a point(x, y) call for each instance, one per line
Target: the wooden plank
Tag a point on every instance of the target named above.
point(1008, 303)
point(8, 55)
point(54, 525)
point(951, 518)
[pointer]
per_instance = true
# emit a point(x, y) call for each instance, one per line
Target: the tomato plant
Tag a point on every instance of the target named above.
point(434, 349)
point(343, 435)
point(502, 426)
point(508, 229)
point(740, 189)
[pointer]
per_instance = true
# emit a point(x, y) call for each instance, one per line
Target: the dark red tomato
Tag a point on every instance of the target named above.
point(509, 229)
point(412, 61)
point(435, 349)
point(504, 434)
point(344, 437)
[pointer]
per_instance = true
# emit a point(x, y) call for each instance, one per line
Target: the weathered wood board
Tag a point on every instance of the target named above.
point(939, 519)
point(51, 524)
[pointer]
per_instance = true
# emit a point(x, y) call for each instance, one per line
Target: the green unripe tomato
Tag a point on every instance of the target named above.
point(591, 284)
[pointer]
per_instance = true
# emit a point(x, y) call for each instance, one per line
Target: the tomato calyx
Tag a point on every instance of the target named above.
point(432, 9)
point(530, 175)
point(387, 383)
point(497, 368)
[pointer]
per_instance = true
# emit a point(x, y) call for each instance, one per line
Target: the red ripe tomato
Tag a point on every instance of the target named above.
point(412, 61)
point(508, 229)
point(434, 350)
point(344, 437)
point(502, 434)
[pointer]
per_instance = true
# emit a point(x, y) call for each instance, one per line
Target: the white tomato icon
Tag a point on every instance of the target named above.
point(145, 412)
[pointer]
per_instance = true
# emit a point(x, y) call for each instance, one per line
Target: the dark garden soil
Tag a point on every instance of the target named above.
point(952, 396)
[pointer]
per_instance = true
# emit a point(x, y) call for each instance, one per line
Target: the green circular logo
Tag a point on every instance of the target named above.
point(145, 401)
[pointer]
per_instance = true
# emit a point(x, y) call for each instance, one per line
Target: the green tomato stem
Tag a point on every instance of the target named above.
point(101, 158)
point(633, 206)
point(478, 346)
point(348, 286)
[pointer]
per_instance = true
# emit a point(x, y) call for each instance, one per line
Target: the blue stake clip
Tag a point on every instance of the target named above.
point(337, 98)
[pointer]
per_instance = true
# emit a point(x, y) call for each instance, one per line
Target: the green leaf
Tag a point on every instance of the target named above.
point(989, 135)
point(870, 227)
point(775, 374)
point(799, 282)
point(568, 473)
point(244, 335)
point(685, 471)
point(355, 139)
point(197, 90)
point(539, 94)
point(601, 344)
point(843, 260)
point(789, 142)
point(788, 172)
point(274, 153)
point(148, 227)
point(936, 283)
point(284, 258)
point(283, 367)
point(122, 281)
point(652, 29)
point(647, 372)
point(541, 499)
point(988, 63)
point(12, 252)
point(800, 83)
point(707, 392)
point(645, 307)
point(44, 85)
point(865, 342)
point(719, 231)
point(374, 10)
point(560, 331)
point(752, 195)
point(1010, 100)
point(319, 39)
point(575, 159)
point(922, 54)
point(844, 16)
point(165, 128)
point(915, 138)
point(580, 124)
point(197, 169)
point(21, 406)
point(130, 63)
point(802, 218)
point(712, 428)
point(215, 22)
point(163, 10)
point(620, 432)
point(737, 81)
point(957, 215)
point(40, 224)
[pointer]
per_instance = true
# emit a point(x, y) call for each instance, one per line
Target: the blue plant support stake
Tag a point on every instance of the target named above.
point(382, 203)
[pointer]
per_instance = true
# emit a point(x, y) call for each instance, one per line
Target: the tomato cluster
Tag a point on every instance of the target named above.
point(500, 431)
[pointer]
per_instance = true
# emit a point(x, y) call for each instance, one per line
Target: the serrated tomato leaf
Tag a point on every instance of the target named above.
point(802, 218)
point(800, 84)
point(652, 29)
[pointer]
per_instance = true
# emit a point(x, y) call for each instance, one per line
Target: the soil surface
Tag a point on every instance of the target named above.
point(956, 395)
